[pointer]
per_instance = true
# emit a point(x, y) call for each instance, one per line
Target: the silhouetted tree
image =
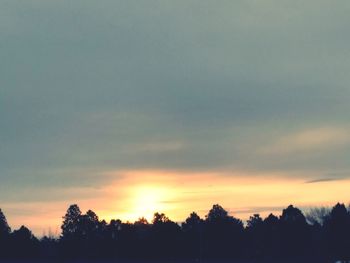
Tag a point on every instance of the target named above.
point(160, 218)
point(141, 222)
point(89, 225)
point(4, 227)
point(71, 236)
point(49, 248)
point(217, 214)
point(223, 234)
point(317, 215)
point(24, 244)
point(126, 242)
point(71, 221)
point(165, 237)
point(295, 232)
point(293, 215)
point(4, 235)
point(112, 235)
point(193, 236)
point(90, 233)
point(220, 237)
point(255, 235)
point(114, 228)
point(272, 237)
point(337, 231)
point(142, 232)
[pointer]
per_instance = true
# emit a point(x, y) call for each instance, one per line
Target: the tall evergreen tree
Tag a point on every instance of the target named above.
point(4, 227)
point(337, 228)
point(223, 234)
point(295, 233)
point(4, 235)
point(71, 221)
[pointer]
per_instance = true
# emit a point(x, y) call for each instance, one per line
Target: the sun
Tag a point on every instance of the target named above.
point(146, 200)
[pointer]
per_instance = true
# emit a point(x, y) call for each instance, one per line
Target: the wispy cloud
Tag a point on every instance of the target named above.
point(257, 209)
point(314, 139)
point(321, 180)
point(330, 177)
point(156, 147)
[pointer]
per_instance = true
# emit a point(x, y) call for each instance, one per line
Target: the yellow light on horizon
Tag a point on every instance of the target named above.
point(178, 193)
point(145, 201)
point(141, 193)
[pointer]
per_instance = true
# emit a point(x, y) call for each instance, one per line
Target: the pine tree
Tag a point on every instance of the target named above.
point(4, 227)
point(71, 221)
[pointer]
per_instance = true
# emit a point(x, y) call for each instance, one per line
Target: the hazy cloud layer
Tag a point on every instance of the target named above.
point(92, 86)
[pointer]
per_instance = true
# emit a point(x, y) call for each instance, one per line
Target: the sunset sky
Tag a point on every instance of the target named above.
point(132, 107)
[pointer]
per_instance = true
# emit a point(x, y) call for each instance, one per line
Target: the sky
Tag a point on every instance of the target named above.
point(126, 107)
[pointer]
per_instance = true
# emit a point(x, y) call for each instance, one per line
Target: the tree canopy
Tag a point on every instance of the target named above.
point(320, 235)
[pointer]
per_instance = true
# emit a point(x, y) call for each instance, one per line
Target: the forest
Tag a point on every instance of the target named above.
point(320, 235)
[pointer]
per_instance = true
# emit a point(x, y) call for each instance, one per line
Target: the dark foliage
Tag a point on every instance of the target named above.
point(322, 236)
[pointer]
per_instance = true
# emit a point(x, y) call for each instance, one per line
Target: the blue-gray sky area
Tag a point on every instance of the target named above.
point(88, 87)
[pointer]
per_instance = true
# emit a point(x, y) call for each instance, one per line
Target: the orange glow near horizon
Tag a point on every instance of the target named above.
point(179, 193)
point(134, 194)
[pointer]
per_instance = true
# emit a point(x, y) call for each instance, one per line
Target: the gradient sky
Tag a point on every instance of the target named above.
point(126, 107)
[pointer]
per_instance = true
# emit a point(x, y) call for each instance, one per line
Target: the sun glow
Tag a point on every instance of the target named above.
point(145, 200)
point(141, 193)
point(178, 193)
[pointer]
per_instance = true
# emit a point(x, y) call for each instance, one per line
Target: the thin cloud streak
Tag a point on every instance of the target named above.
point(315, 139)
point(323, 180)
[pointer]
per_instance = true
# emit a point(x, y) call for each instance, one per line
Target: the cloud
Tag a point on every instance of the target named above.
point(329, 177)
point(310, 140)
point(258, 209)
point(156, 147)
point(90, 87)
point(321, 180)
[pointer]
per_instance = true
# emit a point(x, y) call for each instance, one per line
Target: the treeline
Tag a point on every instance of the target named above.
point(323, 235)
